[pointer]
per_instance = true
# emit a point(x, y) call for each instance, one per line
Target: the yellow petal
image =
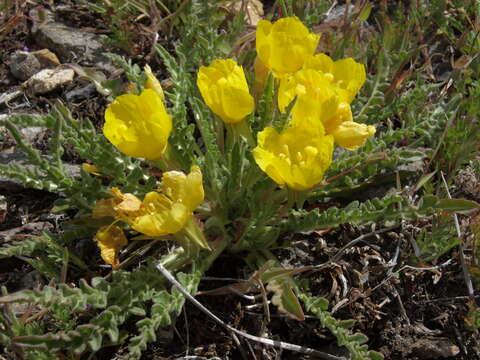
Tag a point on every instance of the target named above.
point(125, 202)
point(110, 240)
point(346, 74)
point(160, 216)
point(316, 96)
point(225, 90)
point(349, 76)
point(185, 189)
point(285, 45)
point(320, 62)
point(264, 154)
point(287, 91)
point(352, 135)
point(153, 83)
point(168, 211)
point(297, 157)
point(130, 203)
point(138, 125)
point(343, 113)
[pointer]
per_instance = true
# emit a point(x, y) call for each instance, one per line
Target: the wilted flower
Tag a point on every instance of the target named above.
point(297, 157)
point(153, 83)
point(161, 212)
point(261, 75)
point(121, 206)
point(346, 74)
point(91, 169)
point(285, 45)
point(225, 90)
point(138, 125)
point(110, 240)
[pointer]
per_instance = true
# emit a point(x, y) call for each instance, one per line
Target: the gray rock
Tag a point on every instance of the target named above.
point(24, 64)
point(67, 42)
point(337, 12)
point(32, 132)
point(30, 280)
point(18, 158)
point(6, 97)
point(81, 93)
point(48, 80)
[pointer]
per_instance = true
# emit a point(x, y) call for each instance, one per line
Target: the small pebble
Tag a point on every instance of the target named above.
point(48, 80)
point(23, 65)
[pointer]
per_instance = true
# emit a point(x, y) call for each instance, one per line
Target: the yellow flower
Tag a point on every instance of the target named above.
point(352, 135)
point(297, 157)
point(168, 211)
point(346, 74)
point(316, 97)
point(138, 125)
point(323, 104)
point(225, 90)
point(342, 114)
point(110, 240)
point(153, 83)
point(285, 45)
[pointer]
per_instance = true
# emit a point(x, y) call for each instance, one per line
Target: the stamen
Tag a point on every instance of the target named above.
point(329, 77)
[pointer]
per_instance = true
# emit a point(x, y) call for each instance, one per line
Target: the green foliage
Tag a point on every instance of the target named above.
point(163, 305)
point(201, 38)
point(128, 295)
point(132, 71)
point(79, 191)
point(355, 343)
point(439, 239)
point(392, 208)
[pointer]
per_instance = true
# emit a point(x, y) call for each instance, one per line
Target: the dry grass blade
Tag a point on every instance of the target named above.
point(461, 248)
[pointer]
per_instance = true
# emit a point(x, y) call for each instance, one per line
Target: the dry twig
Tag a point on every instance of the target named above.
point(234, 332)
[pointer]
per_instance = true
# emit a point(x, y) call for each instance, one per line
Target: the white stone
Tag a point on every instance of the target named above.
point(48, 80)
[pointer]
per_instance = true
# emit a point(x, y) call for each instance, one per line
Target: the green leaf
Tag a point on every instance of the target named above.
point(457, 205)
point(285, 299)
point(423, 180)
point(363, 16)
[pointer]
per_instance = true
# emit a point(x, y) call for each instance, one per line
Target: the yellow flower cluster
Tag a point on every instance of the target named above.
point(296, 156)
point(324, 88)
